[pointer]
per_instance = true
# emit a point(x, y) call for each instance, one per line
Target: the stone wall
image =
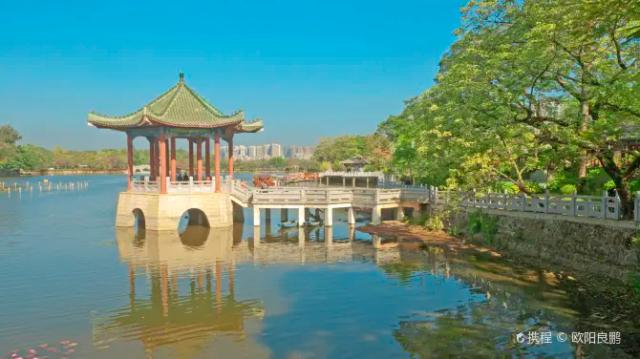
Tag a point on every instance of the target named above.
point(594, 246)
point(163, 211)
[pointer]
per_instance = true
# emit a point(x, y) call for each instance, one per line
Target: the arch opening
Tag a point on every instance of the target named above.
point(193, 228)
point(139, 226)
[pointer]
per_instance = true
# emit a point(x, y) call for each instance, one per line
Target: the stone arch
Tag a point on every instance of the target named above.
point(139, 222)
point(192, 217)
point(193, 228)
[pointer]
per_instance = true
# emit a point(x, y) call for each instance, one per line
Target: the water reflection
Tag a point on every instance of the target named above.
point(278, 293)
point(191, 295)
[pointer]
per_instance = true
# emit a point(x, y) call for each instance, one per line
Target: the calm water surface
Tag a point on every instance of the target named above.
point(71, 285)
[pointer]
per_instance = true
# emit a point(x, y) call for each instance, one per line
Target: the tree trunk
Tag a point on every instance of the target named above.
point(622, 183)
point(584, 126)
point(523, 188)
point(626, 202)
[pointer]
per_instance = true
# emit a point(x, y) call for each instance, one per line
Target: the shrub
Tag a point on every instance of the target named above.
point(568, 189)
point(484, 224)
point(435, 223)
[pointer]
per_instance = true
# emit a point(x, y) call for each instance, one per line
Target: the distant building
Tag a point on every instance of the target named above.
point(271, 150)
point(276, 150)
point(299, 152)
point(355, 164)
point(252, 153)
point(240, 152)
point(260, 152)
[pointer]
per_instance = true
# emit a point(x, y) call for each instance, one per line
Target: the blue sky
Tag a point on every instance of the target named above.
point(307, 68)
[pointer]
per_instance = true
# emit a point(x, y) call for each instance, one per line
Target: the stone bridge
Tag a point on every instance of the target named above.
point(328, 199)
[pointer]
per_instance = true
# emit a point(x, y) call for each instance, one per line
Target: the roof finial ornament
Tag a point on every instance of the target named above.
point(181, 75)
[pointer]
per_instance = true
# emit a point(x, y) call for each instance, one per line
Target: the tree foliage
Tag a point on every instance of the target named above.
point(529, 87)
point(332, 150)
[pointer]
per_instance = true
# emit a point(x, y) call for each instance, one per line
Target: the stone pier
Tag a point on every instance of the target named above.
point(163, 211)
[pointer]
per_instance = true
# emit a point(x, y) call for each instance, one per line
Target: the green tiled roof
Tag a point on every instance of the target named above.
point(179, 107)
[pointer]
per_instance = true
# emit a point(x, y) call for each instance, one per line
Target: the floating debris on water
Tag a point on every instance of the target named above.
point(61, 350)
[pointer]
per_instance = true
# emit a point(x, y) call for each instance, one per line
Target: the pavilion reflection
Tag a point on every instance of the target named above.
point(190, 298)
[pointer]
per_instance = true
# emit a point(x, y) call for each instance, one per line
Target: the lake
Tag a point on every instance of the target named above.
point(73, 286)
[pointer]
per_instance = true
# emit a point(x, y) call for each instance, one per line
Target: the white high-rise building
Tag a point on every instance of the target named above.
point(276, 150)
point(252, 153)
point(240, 152)
point(260, 152)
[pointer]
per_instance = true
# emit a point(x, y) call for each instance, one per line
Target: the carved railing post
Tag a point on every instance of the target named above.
point(546, 201)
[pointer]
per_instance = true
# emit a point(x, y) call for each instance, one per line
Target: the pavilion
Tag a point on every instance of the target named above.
point(161, 199)
point(179, 113)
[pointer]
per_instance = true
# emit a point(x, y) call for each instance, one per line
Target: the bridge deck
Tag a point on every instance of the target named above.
point(327, 196)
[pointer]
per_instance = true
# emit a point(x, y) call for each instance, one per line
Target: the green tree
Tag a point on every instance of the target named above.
point(528, 87)
point(374, 148)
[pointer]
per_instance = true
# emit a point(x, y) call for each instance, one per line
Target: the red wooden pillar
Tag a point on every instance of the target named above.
point(167, 156)
point(199, 158)
point(207, 158)
point(162, 159)
point(216, 160)
point(129, 160)
point(157, 157)
point(230, 142)
point(190, 157)
point(156, 151)
point(152, 156)
point(173, 158)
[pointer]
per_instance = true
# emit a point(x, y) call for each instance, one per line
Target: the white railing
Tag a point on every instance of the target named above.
point(144, 186)
point(605, 206)
point(310, 196)
point(190, 186)
point(297, 195)
point(239, 189)
point(380, 175)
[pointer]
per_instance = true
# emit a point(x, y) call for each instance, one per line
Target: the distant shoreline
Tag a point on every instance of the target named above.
point(63, 172)
point(70, 172)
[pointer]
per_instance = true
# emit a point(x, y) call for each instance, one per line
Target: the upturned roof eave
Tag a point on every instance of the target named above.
point(151, 121)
